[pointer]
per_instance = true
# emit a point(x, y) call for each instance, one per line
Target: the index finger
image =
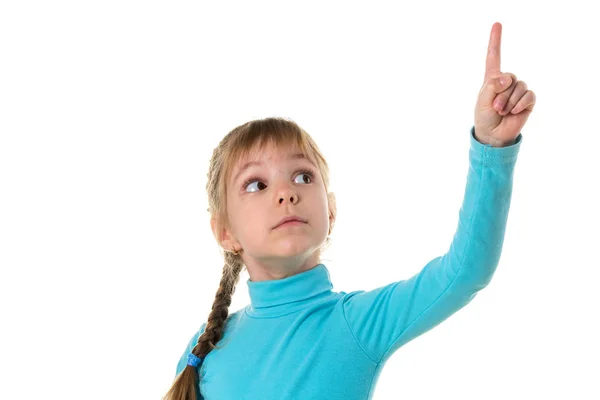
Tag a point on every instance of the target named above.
point(492, 62)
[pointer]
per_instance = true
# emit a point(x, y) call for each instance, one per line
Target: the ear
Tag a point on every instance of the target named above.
point(332, 210)
point(225, 237)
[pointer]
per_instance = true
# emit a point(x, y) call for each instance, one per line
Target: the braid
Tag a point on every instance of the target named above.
point(186, 385)
point(213, 331)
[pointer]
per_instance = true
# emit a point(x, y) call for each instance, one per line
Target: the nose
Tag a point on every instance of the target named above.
point(287, 193)
point(292, 199)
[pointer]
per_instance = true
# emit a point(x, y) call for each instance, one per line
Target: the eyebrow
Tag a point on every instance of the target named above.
point(252, 163)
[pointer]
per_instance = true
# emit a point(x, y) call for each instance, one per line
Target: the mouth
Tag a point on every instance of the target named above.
point(291, 223)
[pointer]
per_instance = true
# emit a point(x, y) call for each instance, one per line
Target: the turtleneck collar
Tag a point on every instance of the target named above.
point(283, 296)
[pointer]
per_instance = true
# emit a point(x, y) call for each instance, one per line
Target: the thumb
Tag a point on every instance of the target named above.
point(493, 86)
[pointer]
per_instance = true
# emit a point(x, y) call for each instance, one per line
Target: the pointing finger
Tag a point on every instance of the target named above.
point(492, 62)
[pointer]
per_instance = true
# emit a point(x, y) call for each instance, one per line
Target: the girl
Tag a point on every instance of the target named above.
point(272, 212)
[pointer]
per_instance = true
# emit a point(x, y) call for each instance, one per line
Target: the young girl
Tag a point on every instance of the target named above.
point(298, 339)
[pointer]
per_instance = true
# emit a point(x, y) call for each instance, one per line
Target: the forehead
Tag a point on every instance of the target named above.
point(267, 154)
point(270, 151)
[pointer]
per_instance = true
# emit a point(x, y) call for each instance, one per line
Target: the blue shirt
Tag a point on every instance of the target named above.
point(298, 339)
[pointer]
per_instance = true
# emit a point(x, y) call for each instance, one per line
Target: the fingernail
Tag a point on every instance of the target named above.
point(502, 81)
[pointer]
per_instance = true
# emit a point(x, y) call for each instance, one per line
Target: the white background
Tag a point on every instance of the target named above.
point(109, 112)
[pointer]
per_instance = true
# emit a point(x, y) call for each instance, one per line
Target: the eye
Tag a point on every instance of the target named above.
point(259, 183)
point(252, 180)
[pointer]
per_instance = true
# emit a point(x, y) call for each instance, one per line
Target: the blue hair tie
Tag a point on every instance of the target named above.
point(194, 360)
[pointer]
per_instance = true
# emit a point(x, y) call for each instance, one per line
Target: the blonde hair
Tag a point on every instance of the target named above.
point(237, 145)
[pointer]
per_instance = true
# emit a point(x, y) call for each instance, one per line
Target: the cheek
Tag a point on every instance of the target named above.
point(250, 218)
point(321, 211)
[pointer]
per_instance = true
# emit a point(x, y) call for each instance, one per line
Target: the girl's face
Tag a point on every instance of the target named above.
point(278, 182)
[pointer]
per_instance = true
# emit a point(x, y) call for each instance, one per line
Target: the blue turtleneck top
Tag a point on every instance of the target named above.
point(298, 339)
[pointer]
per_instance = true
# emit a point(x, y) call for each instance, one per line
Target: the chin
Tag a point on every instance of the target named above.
point(293, 247)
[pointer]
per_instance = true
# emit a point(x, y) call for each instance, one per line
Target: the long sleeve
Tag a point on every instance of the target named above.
point(384, 319)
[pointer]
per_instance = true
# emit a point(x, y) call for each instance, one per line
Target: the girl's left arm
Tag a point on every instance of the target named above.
point(384, 319)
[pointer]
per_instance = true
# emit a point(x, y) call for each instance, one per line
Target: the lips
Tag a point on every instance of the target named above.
point(288, 219)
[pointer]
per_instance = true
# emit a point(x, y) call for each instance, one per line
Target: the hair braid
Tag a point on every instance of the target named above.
point(186, 385)
point(220, 308)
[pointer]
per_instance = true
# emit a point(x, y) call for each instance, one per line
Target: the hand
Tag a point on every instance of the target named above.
point(502, 107)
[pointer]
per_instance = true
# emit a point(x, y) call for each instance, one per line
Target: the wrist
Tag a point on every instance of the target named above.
point(492, 141)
